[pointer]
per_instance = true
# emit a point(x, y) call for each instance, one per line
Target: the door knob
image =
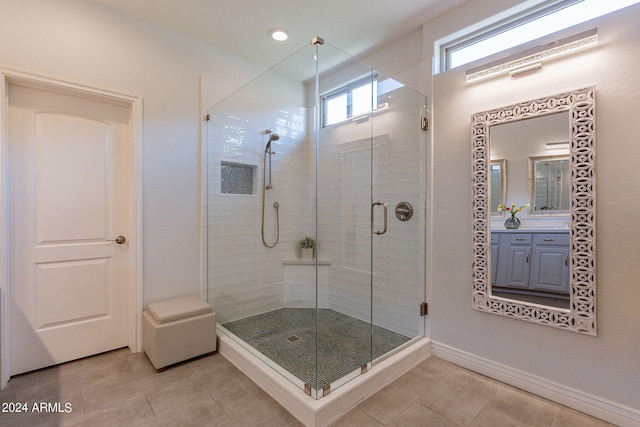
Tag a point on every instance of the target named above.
point(119, 240)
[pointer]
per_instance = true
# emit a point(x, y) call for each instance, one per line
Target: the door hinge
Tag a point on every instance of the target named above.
point(207, 117)
point(424, 309)
point(424, 123)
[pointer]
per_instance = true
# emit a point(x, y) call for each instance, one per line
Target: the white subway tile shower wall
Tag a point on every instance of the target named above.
point(245, 278)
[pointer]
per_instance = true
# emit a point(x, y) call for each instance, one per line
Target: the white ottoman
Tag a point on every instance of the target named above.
point(178, 329)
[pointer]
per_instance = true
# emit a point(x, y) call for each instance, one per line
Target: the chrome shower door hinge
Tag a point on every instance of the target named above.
point(424, 123)
point(424, 309)
point(326, 390)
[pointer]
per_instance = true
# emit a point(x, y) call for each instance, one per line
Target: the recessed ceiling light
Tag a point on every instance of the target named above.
point(278, 34)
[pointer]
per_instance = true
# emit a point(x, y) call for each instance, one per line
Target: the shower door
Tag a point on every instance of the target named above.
point(368, 165)
point(398, 180)
point(345, 157)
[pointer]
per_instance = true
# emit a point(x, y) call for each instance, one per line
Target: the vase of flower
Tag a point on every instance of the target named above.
point(512, 222)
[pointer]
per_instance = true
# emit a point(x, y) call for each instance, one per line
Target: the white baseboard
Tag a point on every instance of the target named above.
point(584, 402)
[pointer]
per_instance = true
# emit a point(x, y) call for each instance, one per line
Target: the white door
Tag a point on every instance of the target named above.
point(68, 195)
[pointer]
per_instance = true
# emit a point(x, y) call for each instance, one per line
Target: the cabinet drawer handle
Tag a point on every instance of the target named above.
point(526, 259)
point(548, 239)
point(520, 238)
point(566, 260)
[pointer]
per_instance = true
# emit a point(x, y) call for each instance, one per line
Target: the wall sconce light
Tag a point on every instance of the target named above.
point(557, 145)
point(533, 58)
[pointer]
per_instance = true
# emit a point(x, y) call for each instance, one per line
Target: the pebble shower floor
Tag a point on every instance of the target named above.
point(287, 336)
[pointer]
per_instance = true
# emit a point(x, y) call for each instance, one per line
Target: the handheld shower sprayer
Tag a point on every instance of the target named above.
point(267, 150)
point(272, 137)
point(267, 186)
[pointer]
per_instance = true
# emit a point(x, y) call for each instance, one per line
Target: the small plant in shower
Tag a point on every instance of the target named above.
point(306, 247)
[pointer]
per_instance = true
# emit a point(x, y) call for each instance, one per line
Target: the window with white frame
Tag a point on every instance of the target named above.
point(530, 20)
point(355, 99)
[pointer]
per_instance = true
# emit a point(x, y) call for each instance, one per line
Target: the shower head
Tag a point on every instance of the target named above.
point(272, 137)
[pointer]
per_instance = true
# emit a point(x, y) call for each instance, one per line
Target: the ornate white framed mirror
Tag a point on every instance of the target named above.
point(575, 265)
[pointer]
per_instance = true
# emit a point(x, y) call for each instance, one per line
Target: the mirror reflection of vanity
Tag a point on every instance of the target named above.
point(540, 153)
point(531, 264)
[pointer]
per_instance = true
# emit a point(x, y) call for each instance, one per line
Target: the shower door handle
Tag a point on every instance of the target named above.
point(384, 230)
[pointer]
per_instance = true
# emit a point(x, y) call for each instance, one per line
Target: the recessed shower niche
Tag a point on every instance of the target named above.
point(336, 184)
point(236, 178)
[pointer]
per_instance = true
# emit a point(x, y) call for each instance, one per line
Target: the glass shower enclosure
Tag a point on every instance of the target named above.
point(321, 148)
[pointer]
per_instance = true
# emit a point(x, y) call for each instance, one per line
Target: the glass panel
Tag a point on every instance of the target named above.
point(312, 319)
point(399, 157)
point(261, 293)
point(344, 230)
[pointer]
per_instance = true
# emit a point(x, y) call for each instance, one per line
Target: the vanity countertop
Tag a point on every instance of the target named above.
point(531, 230)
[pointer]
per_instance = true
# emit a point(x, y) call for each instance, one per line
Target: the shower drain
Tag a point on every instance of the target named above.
point(293, 338)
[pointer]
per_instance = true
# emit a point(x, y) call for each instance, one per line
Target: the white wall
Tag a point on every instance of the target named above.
point(244, 276)
point(88, 44)
point(400, 59)
point(604, 367)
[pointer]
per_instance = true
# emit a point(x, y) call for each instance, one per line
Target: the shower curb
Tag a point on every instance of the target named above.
point(312, 412)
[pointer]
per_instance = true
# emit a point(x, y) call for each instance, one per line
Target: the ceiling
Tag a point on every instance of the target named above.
point(241, 26)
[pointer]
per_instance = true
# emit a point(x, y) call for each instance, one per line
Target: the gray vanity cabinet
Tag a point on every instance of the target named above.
point(514, 260)
point(495, 254)
point(530, 261)
point(551, 263)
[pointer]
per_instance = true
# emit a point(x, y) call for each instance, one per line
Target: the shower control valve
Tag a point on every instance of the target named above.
point(404, 211)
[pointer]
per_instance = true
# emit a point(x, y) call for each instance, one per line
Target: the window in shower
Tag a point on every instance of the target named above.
point(355, 99)
point(236, 178)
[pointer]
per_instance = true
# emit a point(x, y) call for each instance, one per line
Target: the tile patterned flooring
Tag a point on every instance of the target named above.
point(358, 342)
point(122, 389)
